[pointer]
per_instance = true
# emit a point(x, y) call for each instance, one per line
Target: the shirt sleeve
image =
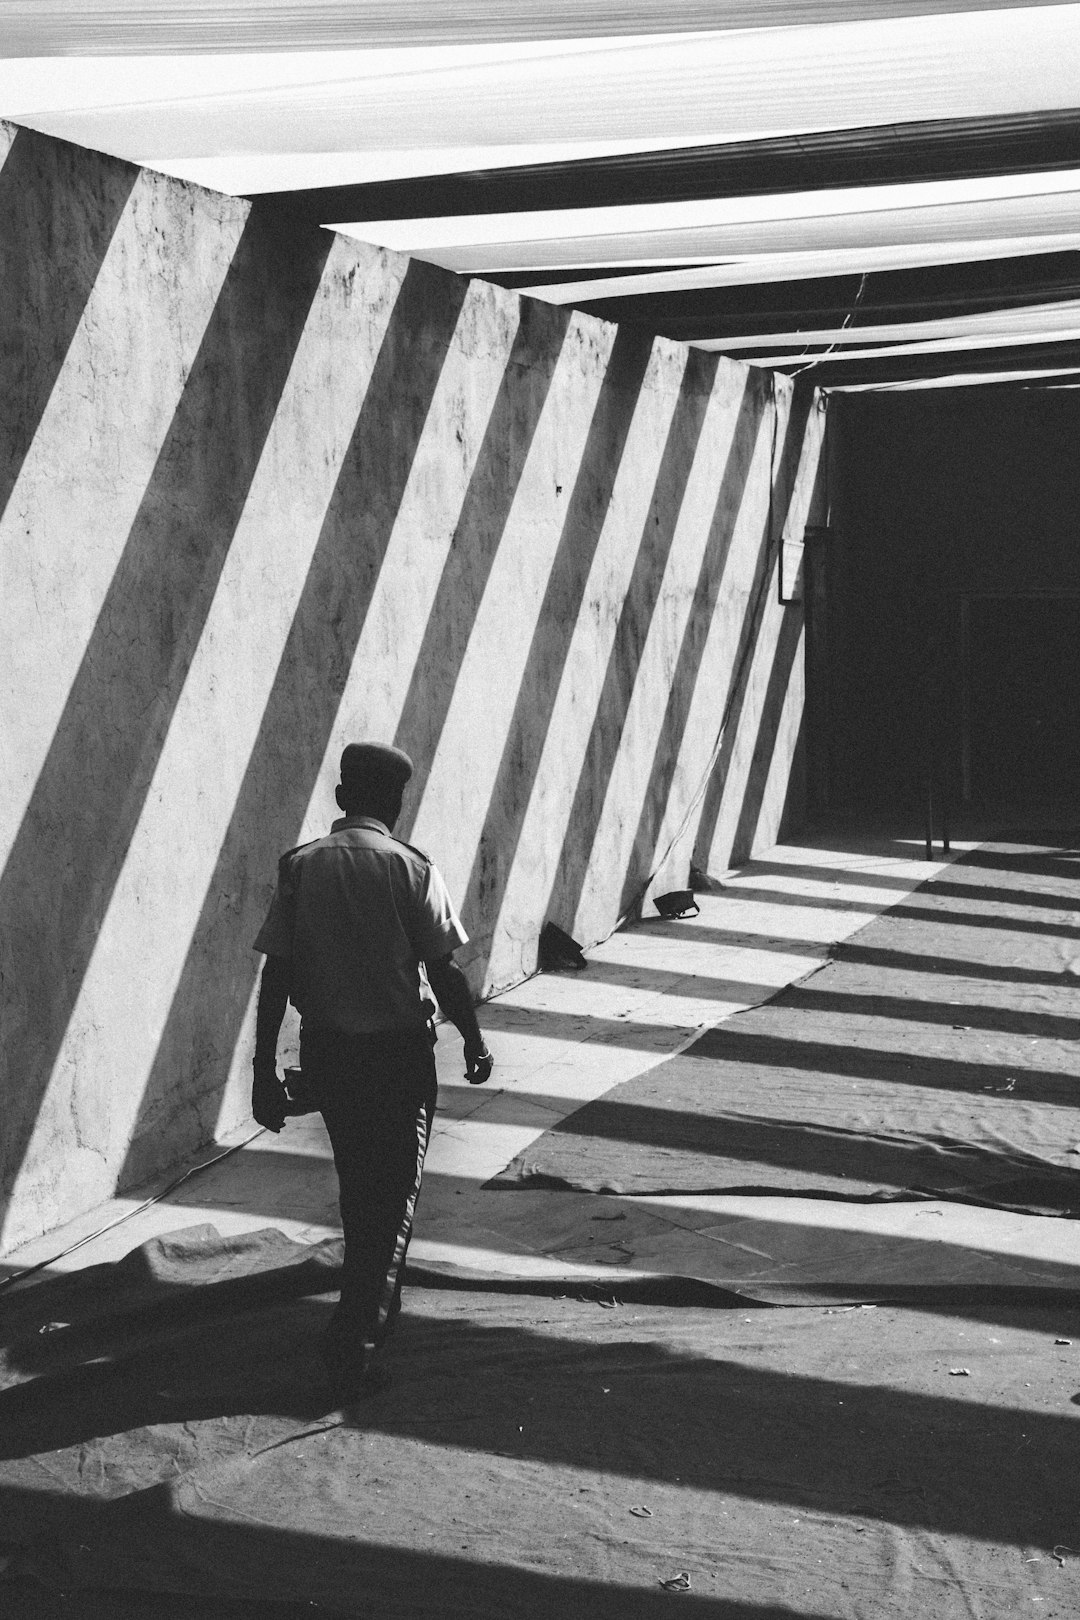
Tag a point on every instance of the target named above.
point(438, 929)
point(275, 937)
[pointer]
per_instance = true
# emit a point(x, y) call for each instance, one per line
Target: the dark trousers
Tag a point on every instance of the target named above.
point(377, 1095)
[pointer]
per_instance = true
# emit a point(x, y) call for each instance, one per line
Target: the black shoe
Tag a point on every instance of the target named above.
point(355, 1370)
point(363, 1384)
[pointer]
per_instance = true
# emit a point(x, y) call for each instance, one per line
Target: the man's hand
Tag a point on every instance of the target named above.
point(452, 993)
point(268, 1099)
point(478, 1063)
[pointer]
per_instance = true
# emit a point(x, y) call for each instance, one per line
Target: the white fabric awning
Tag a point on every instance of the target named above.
point(783, 267)
point(934, 345)
point(272, 97)
point(963, 379)
point(63, 27)
point(951, 212)
point(1031, 324)
point(790, 214)
point(212, 111)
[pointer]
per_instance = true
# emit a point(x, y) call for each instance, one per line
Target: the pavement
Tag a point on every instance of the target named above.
point(562, 1039)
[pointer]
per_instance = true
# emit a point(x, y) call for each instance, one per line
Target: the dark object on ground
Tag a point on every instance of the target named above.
point(679, 903)
point(558, 951)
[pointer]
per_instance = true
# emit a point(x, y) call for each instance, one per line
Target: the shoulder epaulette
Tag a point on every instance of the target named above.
point(423, 854)
point(289, 853)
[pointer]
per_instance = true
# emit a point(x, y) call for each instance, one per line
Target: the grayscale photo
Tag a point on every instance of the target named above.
point(540, 830)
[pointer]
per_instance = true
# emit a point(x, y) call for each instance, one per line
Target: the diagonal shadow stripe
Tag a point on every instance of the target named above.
point(735, 1043)
point(109, 1309)
point(991, 896)
point(785, 652)
point(936, 916)
point(375, 1574)
point(751, 1423)
point(751, 420)
point(71, 845)
point(219, 972)
point(904, 1164)
point(631, 632)
point(866, 955)
point(59, 209)
point(846, 1054)
point(993, 1470)
point(555, 626)
point(680, 1150)
point(477, 536)
point(959, 1016)
point(1037, 862)
point(866, 878)
point(742, 663)
point(682, 982)
point(754, 895)
point(933, 912)
point(788, 641)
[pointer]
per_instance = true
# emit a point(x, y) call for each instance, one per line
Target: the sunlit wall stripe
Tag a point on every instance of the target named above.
point(81, 484)
point(598, 907)
point(462, 773)
point(747, 721)
point(204, 1029)
point(718, 673)
point(380, 488)
point(551, 798)
point(778, 730)
point(750, 530)
point(423, 531)
point(122, 1007)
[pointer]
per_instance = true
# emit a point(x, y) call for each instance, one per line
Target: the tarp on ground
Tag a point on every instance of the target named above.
point(936, 1056)
point(161, 1433)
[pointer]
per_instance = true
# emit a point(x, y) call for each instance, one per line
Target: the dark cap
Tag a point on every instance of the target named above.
point(374, 766)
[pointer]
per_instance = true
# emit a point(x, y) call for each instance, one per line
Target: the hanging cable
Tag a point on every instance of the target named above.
point(848, 318)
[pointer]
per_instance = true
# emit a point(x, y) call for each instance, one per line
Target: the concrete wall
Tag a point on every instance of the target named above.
point(266, 491)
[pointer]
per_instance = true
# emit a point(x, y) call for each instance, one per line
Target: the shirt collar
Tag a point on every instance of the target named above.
point(359, 821)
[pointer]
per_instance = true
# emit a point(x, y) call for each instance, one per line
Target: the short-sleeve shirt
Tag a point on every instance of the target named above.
point(355, 914)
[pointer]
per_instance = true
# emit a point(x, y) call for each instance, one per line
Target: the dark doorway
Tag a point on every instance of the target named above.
point(952, 601)
point(1022, 698)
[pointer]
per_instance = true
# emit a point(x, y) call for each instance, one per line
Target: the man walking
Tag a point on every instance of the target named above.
point(354, 916)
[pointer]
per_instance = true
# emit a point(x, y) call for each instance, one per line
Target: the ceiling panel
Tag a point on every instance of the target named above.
point(892, 186)
point(697, 89)
point(941, 149)
point(60, 27)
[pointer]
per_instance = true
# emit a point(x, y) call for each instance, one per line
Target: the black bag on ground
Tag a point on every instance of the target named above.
point(679, 903)
point(558, 951)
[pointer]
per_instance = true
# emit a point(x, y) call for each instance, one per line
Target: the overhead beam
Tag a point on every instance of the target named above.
point(834, 371)
point(927, 292)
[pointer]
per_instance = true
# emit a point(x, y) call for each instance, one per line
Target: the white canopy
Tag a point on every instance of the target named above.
point(349, 96)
